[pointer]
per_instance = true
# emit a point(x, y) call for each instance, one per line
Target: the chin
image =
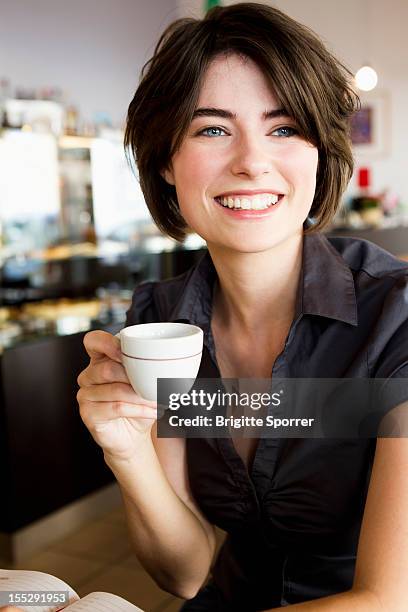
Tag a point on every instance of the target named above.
point(255, 242)
point(251, 245)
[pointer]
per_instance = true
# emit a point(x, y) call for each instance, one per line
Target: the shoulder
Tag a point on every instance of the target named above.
point(381, 284)
point(365, 256)
point(380, 278)
point(381, 295)
point(156, 300)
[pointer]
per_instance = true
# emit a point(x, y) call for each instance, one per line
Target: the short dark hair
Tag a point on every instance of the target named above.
point(310, 83)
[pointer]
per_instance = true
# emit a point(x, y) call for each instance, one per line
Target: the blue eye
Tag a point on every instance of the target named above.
point(211, 131)
point(286, 131)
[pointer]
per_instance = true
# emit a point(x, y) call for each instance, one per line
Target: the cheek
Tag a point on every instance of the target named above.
point(302, 168)
point(308, 163)
point(194, 171)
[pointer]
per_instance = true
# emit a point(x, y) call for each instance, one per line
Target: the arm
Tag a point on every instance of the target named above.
point(380, 582)
point(172, 539)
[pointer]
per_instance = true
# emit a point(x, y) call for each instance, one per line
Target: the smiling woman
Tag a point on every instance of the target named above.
point(310, 90)
point(240, 130)
point(245, 178)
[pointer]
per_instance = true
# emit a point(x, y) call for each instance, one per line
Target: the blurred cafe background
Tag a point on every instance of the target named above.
point(76, 238)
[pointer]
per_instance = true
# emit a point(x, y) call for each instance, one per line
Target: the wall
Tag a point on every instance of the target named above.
point(92, 49)
point(357, 31)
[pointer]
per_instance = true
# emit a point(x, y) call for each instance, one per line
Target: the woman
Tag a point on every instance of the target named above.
point(240, 131)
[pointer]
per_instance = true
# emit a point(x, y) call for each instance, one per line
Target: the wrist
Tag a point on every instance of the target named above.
point(118, 461)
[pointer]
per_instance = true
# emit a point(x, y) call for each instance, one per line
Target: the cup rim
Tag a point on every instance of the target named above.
point(193, 331)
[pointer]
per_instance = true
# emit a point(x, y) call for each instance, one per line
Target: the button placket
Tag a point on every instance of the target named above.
point(269, 449)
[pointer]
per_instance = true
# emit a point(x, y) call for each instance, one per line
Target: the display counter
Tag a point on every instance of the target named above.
point(47, 456)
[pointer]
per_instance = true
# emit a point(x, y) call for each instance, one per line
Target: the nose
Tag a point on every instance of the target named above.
point(252, 158)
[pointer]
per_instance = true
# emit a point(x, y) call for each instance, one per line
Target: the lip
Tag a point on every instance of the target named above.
point(241, 213)
point(249, 192)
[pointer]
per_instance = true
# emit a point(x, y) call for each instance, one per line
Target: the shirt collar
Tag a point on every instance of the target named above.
point(194, 302)
point(327, 281)
point(326, 286)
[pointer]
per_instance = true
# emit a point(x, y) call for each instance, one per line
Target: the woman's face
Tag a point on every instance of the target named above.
point(235, 153)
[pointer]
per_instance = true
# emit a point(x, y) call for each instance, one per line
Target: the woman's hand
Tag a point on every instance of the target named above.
point(118, 419)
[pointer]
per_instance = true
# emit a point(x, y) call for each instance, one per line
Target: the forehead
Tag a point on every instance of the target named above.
point(232, 78)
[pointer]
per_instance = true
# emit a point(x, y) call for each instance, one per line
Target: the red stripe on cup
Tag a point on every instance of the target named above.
point(162, 359)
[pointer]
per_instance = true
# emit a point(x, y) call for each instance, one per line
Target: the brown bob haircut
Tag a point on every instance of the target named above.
point(312, 86)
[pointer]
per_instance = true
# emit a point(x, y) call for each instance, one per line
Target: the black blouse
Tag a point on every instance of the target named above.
point(294, 519)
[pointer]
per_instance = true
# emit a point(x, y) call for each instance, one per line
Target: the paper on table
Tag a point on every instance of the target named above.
point(103, 602)
point(25, 580)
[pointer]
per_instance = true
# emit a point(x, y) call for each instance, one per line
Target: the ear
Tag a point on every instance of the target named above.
point(168, 175)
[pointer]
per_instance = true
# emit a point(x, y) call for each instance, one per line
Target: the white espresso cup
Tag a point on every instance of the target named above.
point(160, 350)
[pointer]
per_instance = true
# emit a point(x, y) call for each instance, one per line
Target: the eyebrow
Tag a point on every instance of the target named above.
point(226, 114)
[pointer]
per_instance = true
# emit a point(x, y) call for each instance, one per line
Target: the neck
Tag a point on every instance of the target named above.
point(257, 291)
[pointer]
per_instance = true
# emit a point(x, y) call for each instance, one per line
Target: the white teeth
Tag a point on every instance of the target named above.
point(257, 202)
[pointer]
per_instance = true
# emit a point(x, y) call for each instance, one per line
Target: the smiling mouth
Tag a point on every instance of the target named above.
point(256, 203)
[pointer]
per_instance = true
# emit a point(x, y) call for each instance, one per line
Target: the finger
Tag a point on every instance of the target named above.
point(99, 345)
point(102, 372)
point(113, 392)
point(98, 413)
